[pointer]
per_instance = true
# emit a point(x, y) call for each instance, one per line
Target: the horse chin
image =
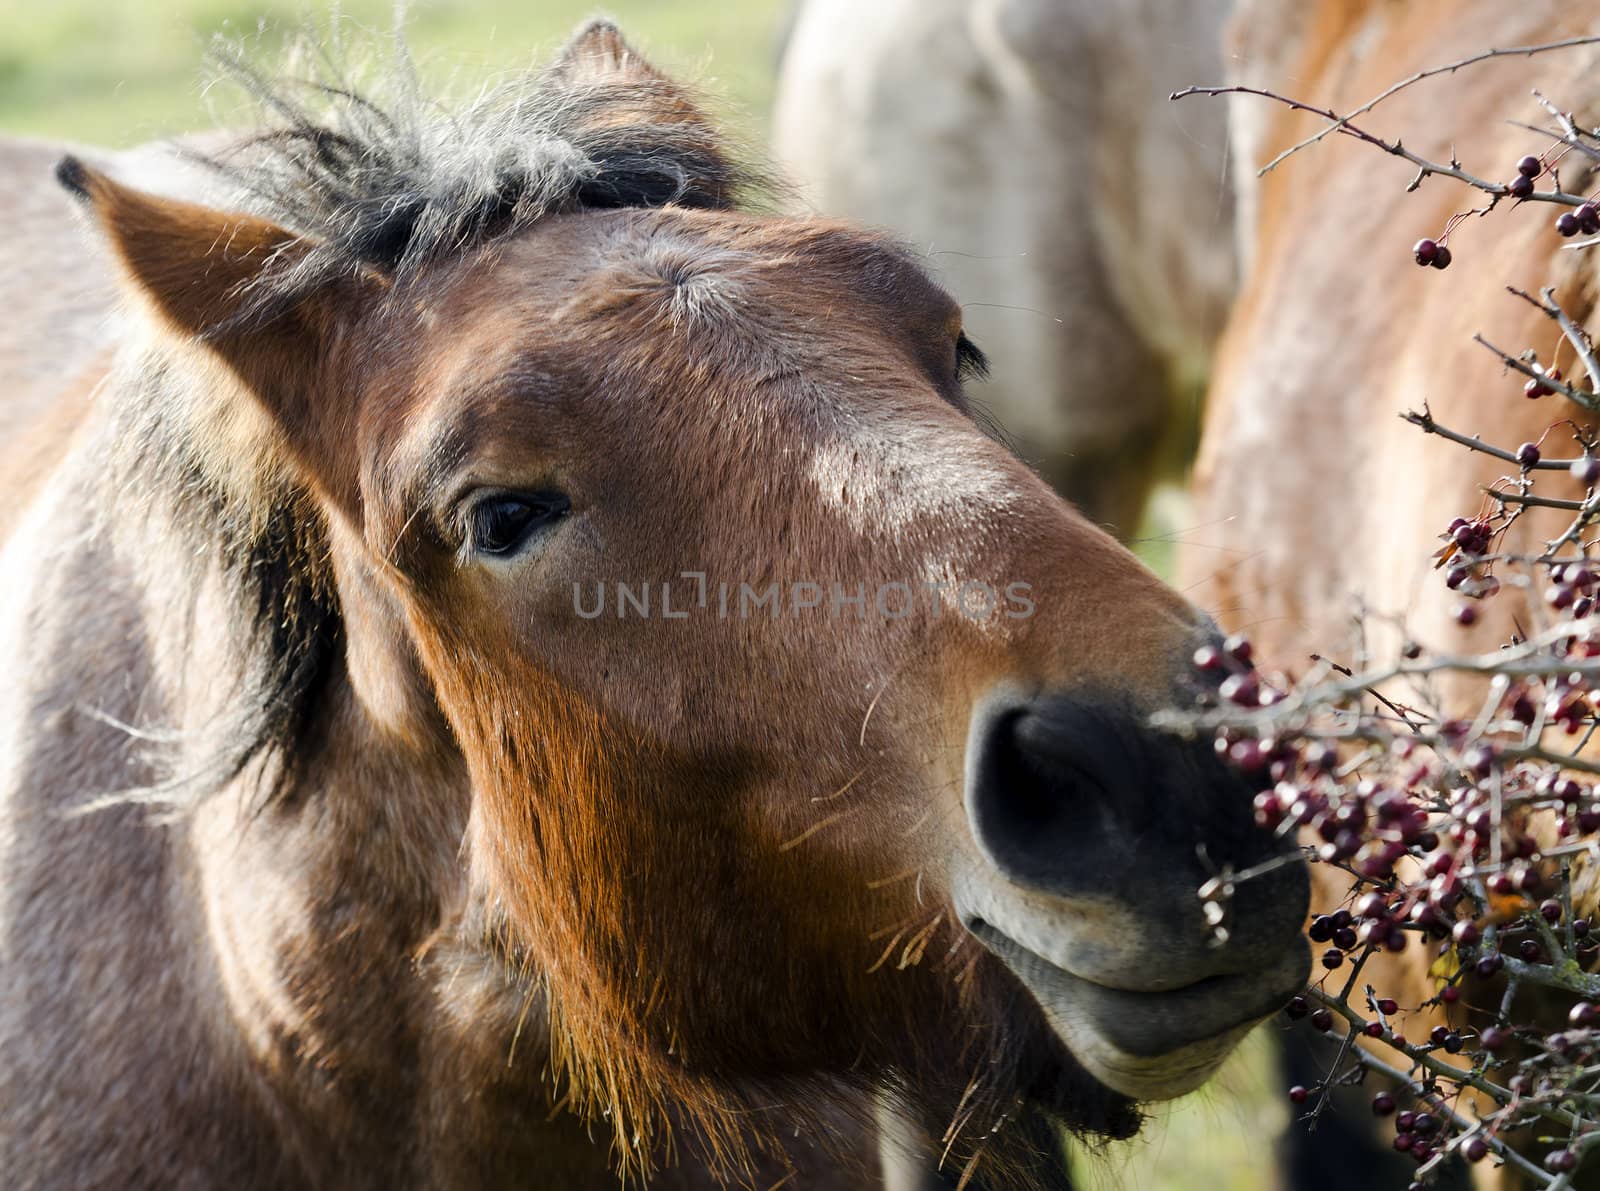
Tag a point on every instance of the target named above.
point(1149, 1045)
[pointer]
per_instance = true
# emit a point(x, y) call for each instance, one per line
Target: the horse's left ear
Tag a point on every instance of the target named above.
point(598, 52)
point(648, 137)
point(199, 271)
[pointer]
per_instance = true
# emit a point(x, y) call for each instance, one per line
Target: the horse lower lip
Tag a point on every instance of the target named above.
point(1152, 1024)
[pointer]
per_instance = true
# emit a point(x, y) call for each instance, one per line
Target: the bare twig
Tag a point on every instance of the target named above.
point(1425, 167)
point(1526, 51)
point(1587, 401)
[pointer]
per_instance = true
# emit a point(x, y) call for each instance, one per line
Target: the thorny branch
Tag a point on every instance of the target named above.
point(1476, 836)
point(1525, 51)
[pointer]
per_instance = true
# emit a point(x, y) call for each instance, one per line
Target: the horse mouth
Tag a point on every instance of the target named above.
point(1149, 1045)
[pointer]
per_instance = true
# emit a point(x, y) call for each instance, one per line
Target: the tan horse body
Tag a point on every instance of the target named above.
point(341, 847)
point(1310, 491)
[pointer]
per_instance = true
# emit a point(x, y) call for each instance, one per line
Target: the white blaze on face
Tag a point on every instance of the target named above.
point(925, 490)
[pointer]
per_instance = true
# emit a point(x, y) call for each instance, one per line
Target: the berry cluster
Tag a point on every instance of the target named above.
point(1539, 386)
point(1462, 815)
point(1458, 837)
point(1529, 168)
point(1431, 253)
point(1583, 217)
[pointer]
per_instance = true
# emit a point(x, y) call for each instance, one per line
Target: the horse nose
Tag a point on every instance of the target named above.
point(1077, 799)
point(1052, 796)
point(1040, 797)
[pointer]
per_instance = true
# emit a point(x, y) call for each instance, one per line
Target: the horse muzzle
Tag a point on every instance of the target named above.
point(1095, 836)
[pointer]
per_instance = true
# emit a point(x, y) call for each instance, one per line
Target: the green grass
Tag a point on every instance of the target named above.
point(118, 73)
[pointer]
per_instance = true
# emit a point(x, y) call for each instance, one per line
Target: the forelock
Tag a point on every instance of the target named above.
point(377, 174)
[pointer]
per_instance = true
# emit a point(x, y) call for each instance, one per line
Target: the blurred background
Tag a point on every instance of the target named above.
point(120, 73)
point(117, 74)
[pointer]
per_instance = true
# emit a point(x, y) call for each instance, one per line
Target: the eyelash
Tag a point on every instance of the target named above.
point(971, 363)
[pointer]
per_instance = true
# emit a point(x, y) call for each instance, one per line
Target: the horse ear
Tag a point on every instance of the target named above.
point(648, 134)
point(198, 271)
point(598, 52)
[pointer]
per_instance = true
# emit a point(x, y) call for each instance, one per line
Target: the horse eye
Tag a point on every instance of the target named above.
point(502, 523)
point(971, 363)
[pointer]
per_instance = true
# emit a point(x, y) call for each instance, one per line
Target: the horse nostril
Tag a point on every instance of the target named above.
point(1037, 796)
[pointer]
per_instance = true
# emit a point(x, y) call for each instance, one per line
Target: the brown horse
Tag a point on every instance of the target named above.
point(1310, 492)
point(514, 660)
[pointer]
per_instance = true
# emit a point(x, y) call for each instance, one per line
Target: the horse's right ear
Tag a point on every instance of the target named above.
point(199, 272)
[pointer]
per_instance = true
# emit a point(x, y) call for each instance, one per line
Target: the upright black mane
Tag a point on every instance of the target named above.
point(379, 175)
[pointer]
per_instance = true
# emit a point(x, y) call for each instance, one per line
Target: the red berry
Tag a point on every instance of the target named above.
point(1442, 258)
point(1297, 1007)
point(1530, 166)
point(1322, 1020)
point(1589, 218)
point(1586, 470)
point(1425, 251)
point(1382, 1104)
point(1372, 905)
point(1299, 1094)
point(1373, 1029)
point(1388, 1006)
point(1479, 760)
point(1475, 1150)
point(1567, 224)
point(1241, 689)
point(1520, 187)
point(1528, 454)
point(1561, 1161)
point(1239, 648)
point(1466, 615)
point(1494, 1039)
